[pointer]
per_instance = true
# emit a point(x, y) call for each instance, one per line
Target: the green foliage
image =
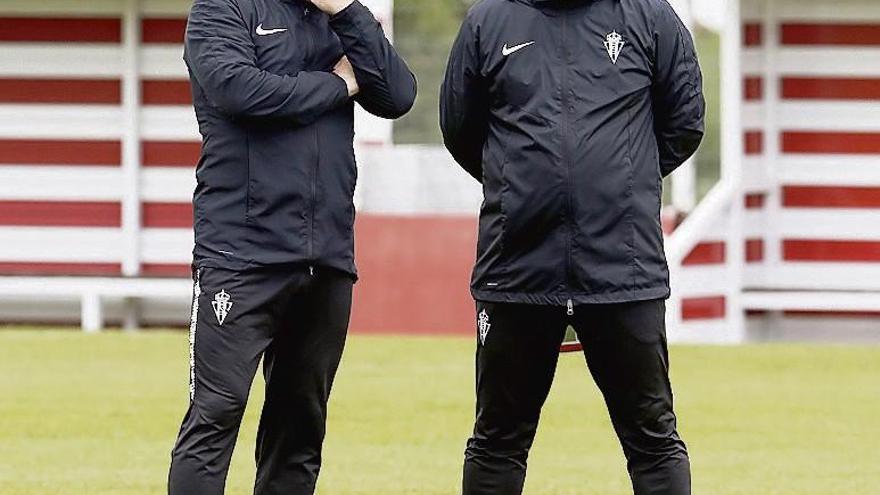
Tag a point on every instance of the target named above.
point(709, 155)
point(423, 33)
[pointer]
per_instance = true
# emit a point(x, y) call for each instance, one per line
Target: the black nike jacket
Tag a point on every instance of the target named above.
point(277, 171)
point(570, 113)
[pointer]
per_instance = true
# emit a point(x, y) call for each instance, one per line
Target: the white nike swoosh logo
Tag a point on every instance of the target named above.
point(267, 32)
point(505, 50)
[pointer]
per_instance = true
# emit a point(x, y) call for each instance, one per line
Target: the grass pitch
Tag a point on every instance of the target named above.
point(98, 415)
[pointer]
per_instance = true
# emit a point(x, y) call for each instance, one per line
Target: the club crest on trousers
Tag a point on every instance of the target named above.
point(483, 325)
point(222, 305)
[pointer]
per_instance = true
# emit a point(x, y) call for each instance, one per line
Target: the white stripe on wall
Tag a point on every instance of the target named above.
point(166, 245)
point(701, 281)
point(59, 183)
point(822, 276)
point(168, 184)
point(842, 170)
point(63, 8)
point(61, 244)
point(163, 62)
point(169, 123)
point(60, 121)
point(88, 60)
point(823, 115)
point(823, 11)
point(837, 224)
point(823, 61)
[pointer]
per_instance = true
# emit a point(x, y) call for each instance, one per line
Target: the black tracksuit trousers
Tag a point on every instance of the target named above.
point(296, 320)
point(625, 349)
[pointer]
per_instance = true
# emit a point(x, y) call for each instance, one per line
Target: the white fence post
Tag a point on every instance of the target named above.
point(131, 150)
point(92, 312)
point(732, 164)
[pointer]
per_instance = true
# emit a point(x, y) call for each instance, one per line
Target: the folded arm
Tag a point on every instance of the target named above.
point(387, 86)
point(221, 56)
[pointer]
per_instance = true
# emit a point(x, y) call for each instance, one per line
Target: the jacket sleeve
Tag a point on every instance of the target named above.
point(464, 104)
point(679, 107)
point(220, 53)
point(388, 87)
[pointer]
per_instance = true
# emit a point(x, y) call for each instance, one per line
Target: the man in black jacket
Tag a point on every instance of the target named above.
point(570, 113)
point(273, 84)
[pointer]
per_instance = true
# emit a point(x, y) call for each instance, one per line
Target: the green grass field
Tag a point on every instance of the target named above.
point(98, 415)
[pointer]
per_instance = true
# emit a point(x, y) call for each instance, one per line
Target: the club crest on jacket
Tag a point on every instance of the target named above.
point(614, 45)
point(222, 304)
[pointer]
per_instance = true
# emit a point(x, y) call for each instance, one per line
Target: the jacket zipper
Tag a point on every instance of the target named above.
point(314, 195)
point(314, 185)
point(567, 162)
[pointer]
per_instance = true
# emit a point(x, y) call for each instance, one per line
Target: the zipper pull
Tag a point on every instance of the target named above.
point(569, 307)
point(312, 271)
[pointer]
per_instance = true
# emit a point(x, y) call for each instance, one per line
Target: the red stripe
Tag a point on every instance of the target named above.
point(808, 88)
point(54, 152)
point(85, 269)
point(864, 143)
point(753, 34)
point(703, 308)
point(706, 253)
point(163, 30)
point(831, 34)
point(168, 215)
point(753, 88)
point(60, 214)
point(831, 251)
point(715, 253)
point(754, 250)
point(830, 197)
point(73, 29)
point(85, 91)
point(175, 270)
point(754, 142)
point(166, 93)
point(755, 200)
point(171, 154)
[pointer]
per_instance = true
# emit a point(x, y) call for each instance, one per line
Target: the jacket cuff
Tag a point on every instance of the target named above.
point(355, 16)
point(340, 87)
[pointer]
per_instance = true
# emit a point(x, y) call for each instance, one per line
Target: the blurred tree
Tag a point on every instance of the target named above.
point(423, 33)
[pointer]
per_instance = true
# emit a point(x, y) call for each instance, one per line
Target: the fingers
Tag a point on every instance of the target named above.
point(344, 70)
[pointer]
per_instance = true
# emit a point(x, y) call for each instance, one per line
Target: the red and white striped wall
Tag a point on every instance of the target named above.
point(811, 148)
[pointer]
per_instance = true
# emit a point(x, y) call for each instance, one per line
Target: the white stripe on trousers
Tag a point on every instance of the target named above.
point(193, 323)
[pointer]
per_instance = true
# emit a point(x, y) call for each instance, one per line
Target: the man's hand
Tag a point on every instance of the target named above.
point(332, 7)
point(344, 70)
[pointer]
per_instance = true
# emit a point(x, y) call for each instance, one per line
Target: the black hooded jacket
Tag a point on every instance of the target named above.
point(277, 173)
point(570, 113)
